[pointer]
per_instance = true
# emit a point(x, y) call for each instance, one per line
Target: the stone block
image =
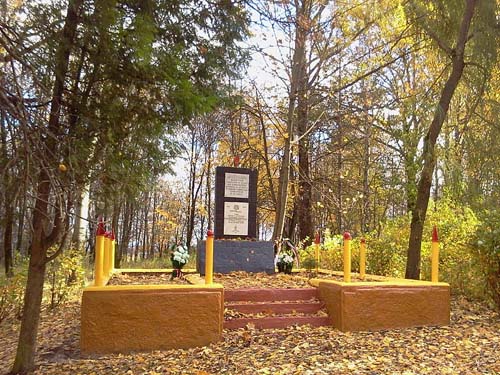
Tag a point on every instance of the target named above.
point(121, 319)
point(231, 255)
point(368, 306)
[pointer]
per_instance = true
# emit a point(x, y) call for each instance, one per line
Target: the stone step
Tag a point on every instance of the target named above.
point(270, 295)
point(277, 322)
point(305, 307)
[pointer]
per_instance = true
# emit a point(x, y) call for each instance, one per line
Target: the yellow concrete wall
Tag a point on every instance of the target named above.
point(141, 318)
point(385, 305)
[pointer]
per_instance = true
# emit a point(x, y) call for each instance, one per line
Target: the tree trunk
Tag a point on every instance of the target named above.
point(125, 235)
point(145, 233)
point(365, 202)
point(26, 349)
point(8, 196)
point(340, 187)
point(7, 239)
point(429, 157)
point(152, 243)
point(298, 61)
point(304, 196)
point(75, 240)
point(20, 226)
point(208, 195)
point(269, 174)
point(304, 216)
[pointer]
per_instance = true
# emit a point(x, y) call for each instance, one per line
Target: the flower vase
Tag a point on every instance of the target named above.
point(288, 268)
point(177, 269)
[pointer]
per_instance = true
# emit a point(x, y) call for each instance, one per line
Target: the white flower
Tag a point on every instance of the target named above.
point(285, 258)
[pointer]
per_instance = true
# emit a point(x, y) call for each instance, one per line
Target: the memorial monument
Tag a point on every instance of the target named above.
point(236, 247)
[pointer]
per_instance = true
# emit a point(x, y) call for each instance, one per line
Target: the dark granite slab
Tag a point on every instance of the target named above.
point(229, 256)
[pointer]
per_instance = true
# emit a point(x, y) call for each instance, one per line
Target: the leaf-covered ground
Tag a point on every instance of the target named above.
point(232, 280)
point(470, 345)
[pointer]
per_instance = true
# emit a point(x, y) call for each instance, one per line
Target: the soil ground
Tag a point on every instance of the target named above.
point(470, 345)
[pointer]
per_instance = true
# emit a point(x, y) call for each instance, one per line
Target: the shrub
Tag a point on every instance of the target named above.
point(332, 253)
point(485, 245)
point(12, 295)
point(387, 250)
point(469, 249)
point(12, 290)
point(65, 275)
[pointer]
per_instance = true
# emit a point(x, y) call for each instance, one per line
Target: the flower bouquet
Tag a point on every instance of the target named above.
point(285, 263)
point(179, 258)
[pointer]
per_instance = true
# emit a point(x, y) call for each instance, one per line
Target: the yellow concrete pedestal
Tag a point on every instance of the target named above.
point(366, 306)
point(152, 317)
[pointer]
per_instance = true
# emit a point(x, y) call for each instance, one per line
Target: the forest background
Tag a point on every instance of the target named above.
point(375, 117)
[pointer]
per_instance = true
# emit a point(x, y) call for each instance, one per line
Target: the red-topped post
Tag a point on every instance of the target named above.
point(209, 258)
point(99, 254)
point(347, 257)
point(435, 256)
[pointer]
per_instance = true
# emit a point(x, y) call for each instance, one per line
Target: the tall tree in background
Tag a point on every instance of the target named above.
point(318, 41)
point(429, 15)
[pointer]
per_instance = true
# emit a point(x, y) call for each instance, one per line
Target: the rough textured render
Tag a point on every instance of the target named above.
point(142, 318)
point(231, 255)
point(386, 305)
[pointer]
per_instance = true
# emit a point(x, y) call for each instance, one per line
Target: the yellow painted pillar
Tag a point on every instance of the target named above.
point(362, 259)
point(347, 257)
point(317, 242)
point(99, 255)
point(107, 251)
point(209, 258)
point(435, 256)
point(113, 245)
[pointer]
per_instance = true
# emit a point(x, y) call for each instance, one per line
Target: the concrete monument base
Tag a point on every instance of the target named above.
point(234, 255)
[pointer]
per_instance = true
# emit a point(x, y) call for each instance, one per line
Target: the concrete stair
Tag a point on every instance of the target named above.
point(273, 308)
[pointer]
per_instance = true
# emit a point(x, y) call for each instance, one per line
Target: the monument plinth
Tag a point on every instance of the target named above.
point(236, 247)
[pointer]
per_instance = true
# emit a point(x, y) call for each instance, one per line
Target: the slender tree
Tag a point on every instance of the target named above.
point(457, 56)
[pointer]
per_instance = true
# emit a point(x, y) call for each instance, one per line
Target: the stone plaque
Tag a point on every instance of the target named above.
point(236, 185)
point(235, 218)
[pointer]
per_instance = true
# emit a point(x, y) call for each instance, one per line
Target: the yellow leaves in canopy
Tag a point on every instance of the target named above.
point(202, 210)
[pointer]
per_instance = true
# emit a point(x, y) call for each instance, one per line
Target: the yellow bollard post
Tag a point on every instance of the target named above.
point(113, 245)
point(209, 258)
point(107, 255)
point(435, 256)
point(347, 257)
point(362, 259)
point(99, 255)
point(317, 241)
